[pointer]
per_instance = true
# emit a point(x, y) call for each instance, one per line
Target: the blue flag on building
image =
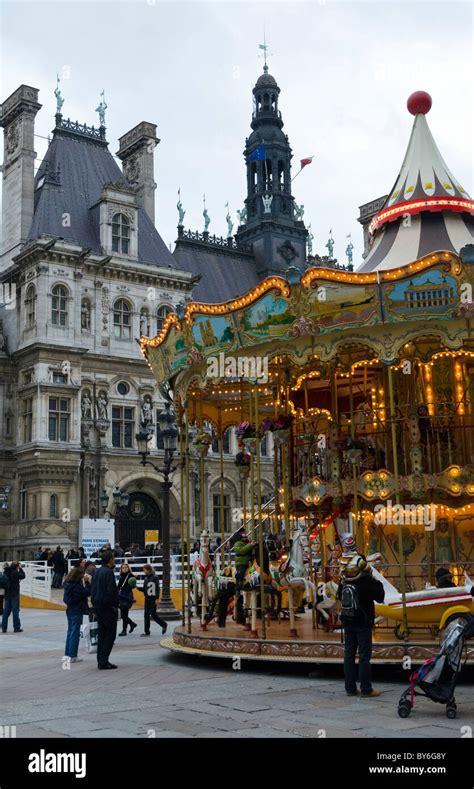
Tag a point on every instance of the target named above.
point(258, 155)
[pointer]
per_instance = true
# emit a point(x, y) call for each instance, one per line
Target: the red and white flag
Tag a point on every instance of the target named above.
point(304, 162)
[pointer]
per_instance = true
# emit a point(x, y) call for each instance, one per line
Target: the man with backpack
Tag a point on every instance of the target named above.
point(151, 591)
point(357, 592)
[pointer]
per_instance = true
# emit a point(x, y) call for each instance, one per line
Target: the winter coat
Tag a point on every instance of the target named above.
point(242, 553)
point(368, 591)
point(104, 589)
point(75, 596)
point(125, 593)
point(151, 587)
point(14, 577)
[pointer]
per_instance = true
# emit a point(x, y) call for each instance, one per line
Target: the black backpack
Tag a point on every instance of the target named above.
point(350, 607)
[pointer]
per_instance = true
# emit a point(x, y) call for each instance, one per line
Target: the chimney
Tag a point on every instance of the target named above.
point(17, 116)
point(136, 152)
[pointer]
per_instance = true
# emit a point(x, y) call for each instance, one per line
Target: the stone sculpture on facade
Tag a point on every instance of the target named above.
point(330, 245)
point(230, 224)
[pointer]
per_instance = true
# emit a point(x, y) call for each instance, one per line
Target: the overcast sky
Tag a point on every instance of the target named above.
point(345, 70)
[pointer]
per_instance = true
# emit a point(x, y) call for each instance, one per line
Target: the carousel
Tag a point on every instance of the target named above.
point(366, 382)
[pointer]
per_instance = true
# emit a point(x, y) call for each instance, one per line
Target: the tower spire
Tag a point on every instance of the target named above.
point(264, 46)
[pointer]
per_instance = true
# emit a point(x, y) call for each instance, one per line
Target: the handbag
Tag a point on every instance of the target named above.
point(89, 632)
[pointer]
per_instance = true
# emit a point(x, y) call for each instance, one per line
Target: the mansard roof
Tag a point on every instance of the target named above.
point(225, 273)
point(75, 169)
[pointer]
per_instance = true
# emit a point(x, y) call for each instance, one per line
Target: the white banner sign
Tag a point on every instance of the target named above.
point(93, 534)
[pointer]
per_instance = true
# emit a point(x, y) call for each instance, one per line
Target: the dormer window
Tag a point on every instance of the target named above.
point(120, 234)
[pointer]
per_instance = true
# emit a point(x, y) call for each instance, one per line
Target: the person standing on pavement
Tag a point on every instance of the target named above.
point(151, 590)
point(59, 565)
point(14, 575)
point(357, 592)
point(126, 583)
point(104, 596)
point(76, 592)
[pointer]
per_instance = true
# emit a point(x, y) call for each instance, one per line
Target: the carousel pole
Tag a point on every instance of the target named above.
point(311, 570)
point(260, 523)
point(181, 504)
point(222, 510)
point(359, 535)
point(397, 499)
point(252, 472)
point(188, 514)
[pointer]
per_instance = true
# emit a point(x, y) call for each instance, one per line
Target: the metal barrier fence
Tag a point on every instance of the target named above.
point(37, 580)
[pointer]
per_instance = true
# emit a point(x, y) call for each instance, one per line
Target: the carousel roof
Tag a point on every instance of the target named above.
point(440, 210)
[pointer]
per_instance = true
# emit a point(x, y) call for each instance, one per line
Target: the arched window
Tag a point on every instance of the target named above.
point(120, 234)
point(266, 101)
point(122, 319)
point(53, 506)
point(59, 306)
point(161, 315)
point(30, 306)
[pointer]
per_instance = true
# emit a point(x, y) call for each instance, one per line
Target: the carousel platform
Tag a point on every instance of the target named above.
point(309, 646)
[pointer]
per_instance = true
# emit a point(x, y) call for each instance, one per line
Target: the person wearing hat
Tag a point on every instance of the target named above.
point(126, 582)
point(357, 592)
point(444, 579)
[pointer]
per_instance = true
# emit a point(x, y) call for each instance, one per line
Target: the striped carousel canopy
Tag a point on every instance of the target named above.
point(427, 210)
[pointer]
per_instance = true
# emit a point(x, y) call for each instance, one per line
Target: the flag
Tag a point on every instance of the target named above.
point(258, 155)
point(304, 162)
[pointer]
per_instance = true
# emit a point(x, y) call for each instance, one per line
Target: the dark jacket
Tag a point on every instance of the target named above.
point(104, 588)
point(446, 583)
point(368, 591)
point(75, 597)
point(14, 577)
point(59, 562)
point(126, 598)
point(151, 587)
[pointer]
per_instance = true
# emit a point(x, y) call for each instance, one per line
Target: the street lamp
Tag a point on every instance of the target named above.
point(169, 433)
point(120, 498)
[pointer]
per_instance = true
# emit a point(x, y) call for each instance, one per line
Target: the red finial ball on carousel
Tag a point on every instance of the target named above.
point(419, 102)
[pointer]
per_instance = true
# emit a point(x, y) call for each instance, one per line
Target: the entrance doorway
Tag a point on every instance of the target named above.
point(131, 522)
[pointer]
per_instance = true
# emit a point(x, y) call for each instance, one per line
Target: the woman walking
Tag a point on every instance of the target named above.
point(126, 583)
point(76, 592)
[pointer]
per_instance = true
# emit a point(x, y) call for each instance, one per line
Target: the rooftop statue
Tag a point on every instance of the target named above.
point(59, 98)
point(101, 109)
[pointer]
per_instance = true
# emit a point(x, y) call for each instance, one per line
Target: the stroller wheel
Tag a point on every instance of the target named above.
point(404, 709)
point(451, 712)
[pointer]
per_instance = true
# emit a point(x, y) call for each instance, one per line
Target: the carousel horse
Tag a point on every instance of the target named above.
point(224, 597)
point(253, 584)
point(293, 574)
point(203, 579)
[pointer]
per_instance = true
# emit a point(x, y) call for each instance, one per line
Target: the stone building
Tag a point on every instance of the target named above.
point(83, 273)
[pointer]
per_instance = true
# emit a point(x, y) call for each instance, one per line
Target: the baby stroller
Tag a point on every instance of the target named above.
point(436, 678)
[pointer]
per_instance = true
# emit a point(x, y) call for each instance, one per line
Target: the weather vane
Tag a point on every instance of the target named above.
point(266, 53)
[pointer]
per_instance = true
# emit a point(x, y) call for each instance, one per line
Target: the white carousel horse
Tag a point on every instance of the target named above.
point(203, 579)
point(294, 574)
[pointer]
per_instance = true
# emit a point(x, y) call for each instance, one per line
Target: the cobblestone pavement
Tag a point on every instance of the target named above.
point(155, 693)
